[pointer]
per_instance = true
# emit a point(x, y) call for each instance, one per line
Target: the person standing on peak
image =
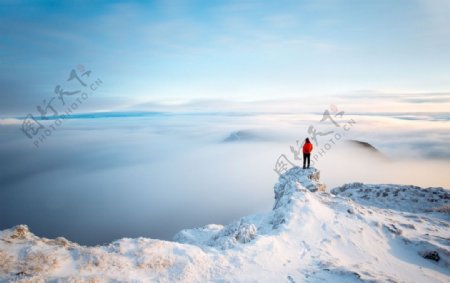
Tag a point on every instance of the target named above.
point(307, 148)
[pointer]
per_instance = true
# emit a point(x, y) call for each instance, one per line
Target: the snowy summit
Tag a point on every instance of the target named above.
point(386, 233)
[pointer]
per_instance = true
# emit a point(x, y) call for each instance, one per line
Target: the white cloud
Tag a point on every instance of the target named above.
point(10, 121)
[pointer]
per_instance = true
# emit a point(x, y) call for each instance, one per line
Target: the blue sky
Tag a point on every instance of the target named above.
point(228, 50)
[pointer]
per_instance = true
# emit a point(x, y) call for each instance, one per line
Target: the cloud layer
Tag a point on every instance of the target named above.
point(109, 175)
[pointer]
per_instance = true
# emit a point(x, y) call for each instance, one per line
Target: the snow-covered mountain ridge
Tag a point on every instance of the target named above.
point(381, 233)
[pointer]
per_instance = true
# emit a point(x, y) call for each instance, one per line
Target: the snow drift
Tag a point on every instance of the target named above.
point(355, 233)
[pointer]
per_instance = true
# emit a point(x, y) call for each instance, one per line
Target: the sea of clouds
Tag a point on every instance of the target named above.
point(99, 177)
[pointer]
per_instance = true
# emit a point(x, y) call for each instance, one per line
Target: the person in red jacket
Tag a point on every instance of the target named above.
point(307, 148)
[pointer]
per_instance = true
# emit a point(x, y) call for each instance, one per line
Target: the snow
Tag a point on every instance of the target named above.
point(355, 233)
point(397, 197)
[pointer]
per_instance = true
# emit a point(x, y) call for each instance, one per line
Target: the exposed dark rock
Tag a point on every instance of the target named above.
point(433, 255)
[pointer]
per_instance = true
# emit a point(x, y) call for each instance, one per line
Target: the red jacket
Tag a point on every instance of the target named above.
point(307, 147)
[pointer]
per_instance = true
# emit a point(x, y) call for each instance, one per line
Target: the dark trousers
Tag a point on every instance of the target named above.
point(305, 157)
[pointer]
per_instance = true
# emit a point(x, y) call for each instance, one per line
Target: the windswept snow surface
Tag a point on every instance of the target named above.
point(381, 233)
